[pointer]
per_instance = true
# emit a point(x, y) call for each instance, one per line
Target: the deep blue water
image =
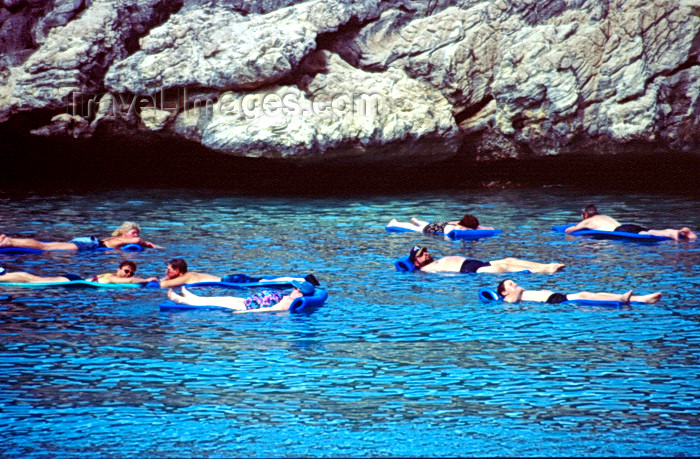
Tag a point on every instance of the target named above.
point(394, 364)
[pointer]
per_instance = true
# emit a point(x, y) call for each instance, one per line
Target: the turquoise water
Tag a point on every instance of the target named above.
point(394, 364)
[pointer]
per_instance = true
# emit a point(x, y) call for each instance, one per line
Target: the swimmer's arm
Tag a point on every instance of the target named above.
point(112, 279)
point(576, 227)
point(177, 282)
point(148, 244)
point(486, 227)
point(283, 279)
point(140, 280)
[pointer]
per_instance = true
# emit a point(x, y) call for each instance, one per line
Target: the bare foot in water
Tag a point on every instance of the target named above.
point(685, 233)
point(175, 298)
point(626, 297)
point(554, 268)
point(4, 240)
point(186, 293)
point(651, 298)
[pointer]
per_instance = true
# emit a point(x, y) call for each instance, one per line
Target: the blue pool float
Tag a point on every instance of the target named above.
point(70, 284)
point(404, 264)
point(301, 304)
point(152, 284)
point(488, 295)
point(455, 235)
point(240, 285)
point(596, 234)
point(27, 251)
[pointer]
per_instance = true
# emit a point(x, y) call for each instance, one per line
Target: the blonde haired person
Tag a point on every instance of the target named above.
point(127, 233)
point(125, 228)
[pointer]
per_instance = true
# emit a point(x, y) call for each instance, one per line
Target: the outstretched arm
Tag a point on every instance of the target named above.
point(150, 245)
point(576, 227)
point(125, 280)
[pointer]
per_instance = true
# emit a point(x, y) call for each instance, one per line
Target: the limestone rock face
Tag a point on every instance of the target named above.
point(220, 48)
point(483, 79)
point(74, 57)
point(342, 109)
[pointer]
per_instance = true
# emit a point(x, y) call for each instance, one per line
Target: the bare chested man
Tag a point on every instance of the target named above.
point(424, 261)
point(592, 220)
point(512, 293)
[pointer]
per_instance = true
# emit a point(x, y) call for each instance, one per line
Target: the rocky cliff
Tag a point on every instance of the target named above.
point(358, 81)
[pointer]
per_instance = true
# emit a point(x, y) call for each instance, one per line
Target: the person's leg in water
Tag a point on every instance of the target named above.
point(515, 264)
point(6, 241)
point(22, 277)
point(676, 235)
point(415, 225)
point(230, 302)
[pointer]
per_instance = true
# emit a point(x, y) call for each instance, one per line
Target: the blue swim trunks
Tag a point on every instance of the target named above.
point(86, 243)
point(264, 299)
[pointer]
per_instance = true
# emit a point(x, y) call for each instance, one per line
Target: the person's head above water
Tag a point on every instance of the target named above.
point(469, 221)
point(128, 229)
point(127, 268)
point(506, 286)
point(589, 211)
point(176, 267)
point(420, 256)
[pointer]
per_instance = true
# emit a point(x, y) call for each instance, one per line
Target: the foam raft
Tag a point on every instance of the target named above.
point(28, 251)
point(301, 304)
point(488, 295)
point(70, 284)
point(152, 284)
point(597, 234)
point(241, 285)
point(455, 235)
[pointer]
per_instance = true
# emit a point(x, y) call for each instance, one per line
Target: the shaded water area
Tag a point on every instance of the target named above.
point(394, 364)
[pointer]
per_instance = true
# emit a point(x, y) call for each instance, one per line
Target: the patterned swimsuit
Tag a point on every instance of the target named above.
point(437, 227)
point(264, 299)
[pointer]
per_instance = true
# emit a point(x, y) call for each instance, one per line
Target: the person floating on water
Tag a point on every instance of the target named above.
point(127, 233)
point(423, 261)
point(467, 222)
point(512, 293)
point(591, 219)
point(177, 274)
point(124, 275)
point(265, 301)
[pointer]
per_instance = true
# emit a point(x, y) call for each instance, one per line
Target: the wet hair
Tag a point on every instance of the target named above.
point(590, 210)
point(130, 264)
point(469, 221)
point(126, 227)
point(179, 264)
point(501, 287)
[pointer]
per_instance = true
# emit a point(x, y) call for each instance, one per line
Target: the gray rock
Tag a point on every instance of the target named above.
point(216, 47)
point(75, 57)
point(343, 113)
point(520, 78)
point(62, 12)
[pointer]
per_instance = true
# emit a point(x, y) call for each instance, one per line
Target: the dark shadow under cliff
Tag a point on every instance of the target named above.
point(46, 164)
